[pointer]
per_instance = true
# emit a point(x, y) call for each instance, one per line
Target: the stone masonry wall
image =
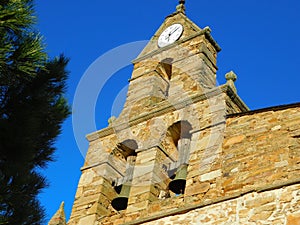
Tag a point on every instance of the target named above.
point(252, 179)
point(277, 207)
point(95, 193)
point(260, 170)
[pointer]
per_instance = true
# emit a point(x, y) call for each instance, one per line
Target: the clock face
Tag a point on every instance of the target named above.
point(170, 35)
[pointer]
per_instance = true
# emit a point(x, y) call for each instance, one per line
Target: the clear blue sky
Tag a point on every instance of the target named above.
point(260, 41)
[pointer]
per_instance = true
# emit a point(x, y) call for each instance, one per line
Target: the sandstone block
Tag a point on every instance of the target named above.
point(87, 220)
point(197, 188)
point(211, 175)
point(293, 219)
point(234, 140)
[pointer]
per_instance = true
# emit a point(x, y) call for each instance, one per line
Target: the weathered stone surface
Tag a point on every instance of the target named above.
point(211, 175)
point(197, 188)
point(241, 168)
point(234, 140)
point(293, 219)
point(87, 220)
point(265, 209)
point(257, 159)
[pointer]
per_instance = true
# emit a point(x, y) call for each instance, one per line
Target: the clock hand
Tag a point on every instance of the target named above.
point(170, 34)
point(173, 31)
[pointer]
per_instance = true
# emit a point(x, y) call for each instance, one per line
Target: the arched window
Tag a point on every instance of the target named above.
point(122, 185)
point(181, 136)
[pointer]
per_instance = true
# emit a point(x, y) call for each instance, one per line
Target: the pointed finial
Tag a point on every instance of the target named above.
point(181, 6)
point(59, 217)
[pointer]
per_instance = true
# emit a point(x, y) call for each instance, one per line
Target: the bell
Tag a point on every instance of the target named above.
point(177, 185)
point(120, 202)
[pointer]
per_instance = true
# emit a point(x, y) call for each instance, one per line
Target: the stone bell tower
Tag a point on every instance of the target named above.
point(184, 150)
point(168, 134)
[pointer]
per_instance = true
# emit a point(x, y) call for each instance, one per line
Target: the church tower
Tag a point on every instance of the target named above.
point(167, 136)
point(178, 152)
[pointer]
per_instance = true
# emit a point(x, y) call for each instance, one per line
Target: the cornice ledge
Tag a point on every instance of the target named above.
point(100, 133)
point(234, 97)
point(162, 108)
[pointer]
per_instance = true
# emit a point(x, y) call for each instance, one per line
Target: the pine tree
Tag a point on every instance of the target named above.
point(32, 109)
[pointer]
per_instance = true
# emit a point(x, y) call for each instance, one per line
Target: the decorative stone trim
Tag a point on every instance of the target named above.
point(164, 107)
